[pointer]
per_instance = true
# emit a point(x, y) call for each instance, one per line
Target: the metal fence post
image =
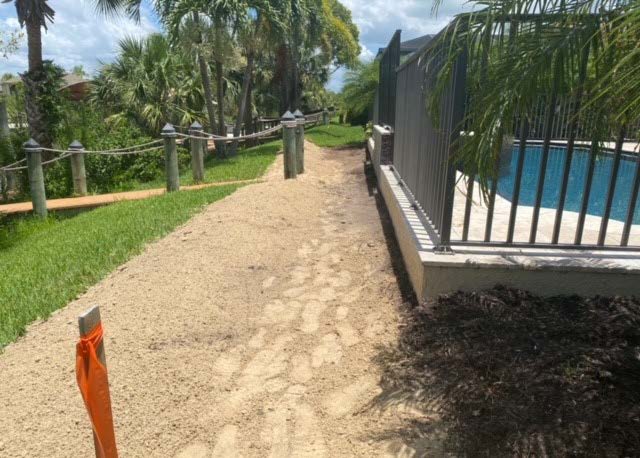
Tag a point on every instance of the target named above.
point(36, 178)
point(289, 125)
point(197, 153)
point(78, 171)
point(300, 120)
point(171, 158)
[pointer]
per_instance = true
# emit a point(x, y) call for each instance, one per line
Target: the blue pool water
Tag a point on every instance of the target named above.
point(577, 177)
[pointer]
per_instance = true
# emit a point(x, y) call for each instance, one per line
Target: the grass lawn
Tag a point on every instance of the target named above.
point(247, 164)
point(47, 263)
point(336, 135)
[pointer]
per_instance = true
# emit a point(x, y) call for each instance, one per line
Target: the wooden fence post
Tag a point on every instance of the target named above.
point(171, 158)
point(36, 178)
point(289, 125)
point(197, 152)
point(325, 117)
point(87, 323)
point(78, 171)
point(300, 120)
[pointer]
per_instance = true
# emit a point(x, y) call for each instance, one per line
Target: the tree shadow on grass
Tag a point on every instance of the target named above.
point(512, 374)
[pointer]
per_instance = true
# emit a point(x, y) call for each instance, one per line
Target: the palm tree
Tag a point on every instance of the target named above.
point(359, 91)
point(220, 16)
point(33, 15)
point(320, 28)
point(150, 83)
point(256, 29)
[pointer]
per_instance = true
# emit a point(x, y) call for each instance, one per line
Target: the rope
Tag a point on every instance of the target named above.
point(13, 169)
point(11, 166)
point(56, 159)
point(122, 153)
point(206, 135)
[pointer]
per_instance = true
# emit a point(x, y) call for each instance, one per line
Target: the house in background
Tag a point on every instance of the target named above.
point(78, 86)
point(409, 47)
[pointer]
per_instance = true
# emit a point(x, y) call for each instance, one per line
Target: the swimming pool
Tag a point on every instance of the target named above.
point(577, 178)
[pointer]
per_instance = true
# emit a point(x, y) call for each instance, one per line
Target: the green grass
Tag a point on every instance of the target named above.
point(336, 135)
point(47, 263)
point(247, 164)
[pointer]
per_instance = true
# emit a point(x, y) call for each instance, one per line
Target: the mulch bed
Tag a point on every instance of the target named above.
point(513, 374)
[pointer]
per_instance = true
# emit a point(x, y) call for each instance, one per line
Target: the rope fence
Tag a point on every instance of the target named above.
point(292, 126)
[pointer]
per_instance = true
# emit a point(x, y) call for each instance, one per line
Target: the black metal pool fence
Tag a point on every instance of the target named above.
point(424, 142)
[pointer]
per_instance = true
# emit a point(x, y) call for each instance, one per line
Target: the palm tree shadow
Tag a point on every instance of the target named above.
point(506, 373)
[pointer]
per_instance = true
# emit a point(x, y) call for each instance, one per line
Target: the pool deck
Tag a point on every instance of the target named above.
point(545, 271)
point(546, 222)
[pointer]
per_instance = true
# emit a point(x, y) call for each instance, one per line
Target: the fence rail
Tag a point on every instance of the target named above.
point(557, 187)
point(385, 105)
point(34, 164)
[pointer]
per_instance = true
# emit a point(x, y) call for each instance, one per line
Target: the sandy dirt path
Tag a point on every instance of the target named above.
point(253, 330)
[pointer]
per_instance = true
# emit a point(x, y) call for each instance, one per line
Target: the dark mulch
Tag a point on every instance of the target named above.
point(513, 374)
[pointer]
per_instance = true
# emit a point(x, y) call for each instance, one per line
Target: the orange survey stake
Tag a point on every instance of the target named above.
point(93, 382)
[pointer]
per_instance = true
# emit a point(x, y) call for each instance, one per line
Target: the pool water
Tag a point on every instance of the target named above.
point(577, 178)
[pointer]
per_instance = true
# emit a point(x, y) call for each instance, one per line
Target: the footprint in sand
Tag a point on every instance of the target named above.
point(257, 341)
point(228, 363)
point(348, 335)
point(348, 398)
point(328, 352)
point(292, 428)
point(226, 444)
point(310, 315)
point(299, 275)
point(352, 295)
point(197, 450)
point(259, 375)
point(328, 277)
point(301, 371)
point(281, 312)
point(268, 283)
point(294, 292)
point(305, 250)
point(342, 312)
point(324, 249)
point(326, 294)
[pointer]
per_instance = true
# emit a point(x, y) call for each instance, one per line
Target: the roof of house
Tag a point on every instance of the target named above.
point(411, 46)
point(69, 79)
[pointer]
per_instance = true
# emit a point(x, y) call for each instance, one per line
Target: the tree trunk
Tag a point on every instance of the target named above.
point(283, 72)
point(208, 95)
point(222, 128)
point(295, 74)
point(242, 105)
point(34, 43)
point(206, 80)
point(35, 117)
point(249, 125)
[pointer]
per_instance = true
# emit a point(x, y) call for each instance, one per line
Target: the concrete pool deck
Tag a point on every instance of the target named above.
point(502, 209)
point(540, 270)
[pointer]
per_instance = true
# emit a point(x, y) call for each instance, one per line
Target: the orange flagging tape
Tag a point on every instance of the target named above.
point(94, 387)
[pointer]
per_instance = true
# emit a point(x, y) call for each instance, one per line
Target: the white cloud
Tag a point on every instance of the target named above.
point(78, 36)
point(377, 20)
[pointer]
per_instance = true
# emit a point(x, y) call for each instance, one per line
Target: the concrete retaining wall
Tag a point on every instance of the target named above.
point(542, 271)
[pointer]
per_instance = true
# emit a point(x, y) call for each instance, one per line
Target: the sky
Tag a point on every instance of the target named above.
point(78, 36)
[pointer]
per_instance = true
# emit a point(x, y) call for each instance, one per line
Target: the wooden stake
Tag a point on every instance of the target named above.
point(86, 323)
point(78, 171)
point(289, 125)
point(300, 120)
point(36, 178)
point(171, 158)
